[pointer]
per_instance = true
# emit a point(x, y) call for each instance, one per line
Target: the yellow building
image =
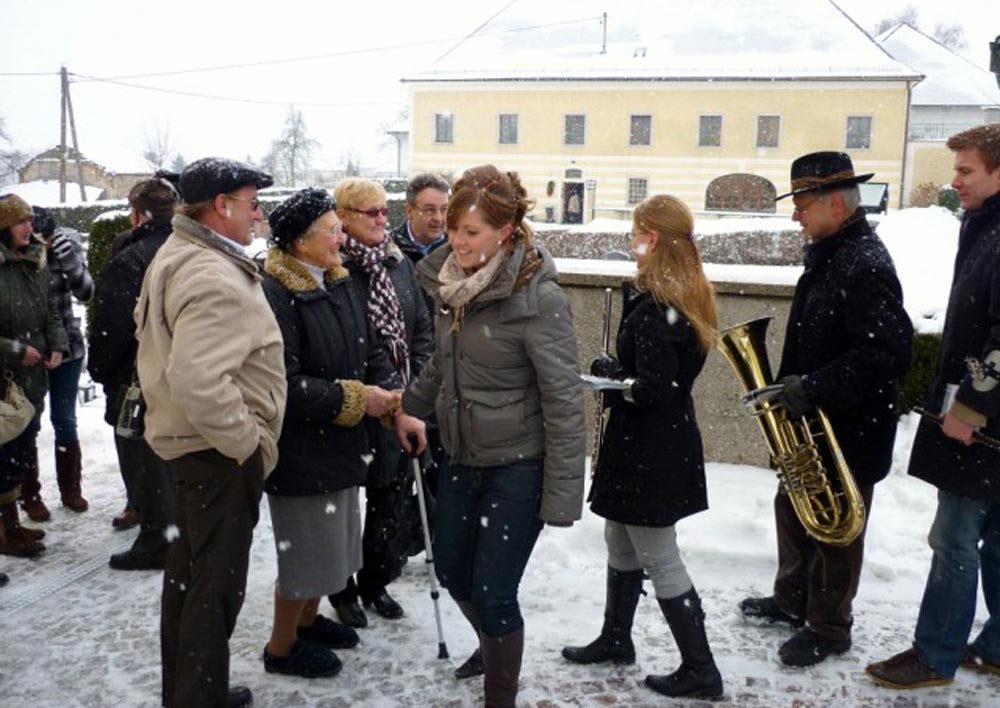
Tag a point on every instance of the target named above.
point(698, 92)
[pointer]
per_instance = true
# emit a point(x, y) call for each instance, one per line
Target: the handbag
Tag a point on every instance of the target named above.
point(132, 415)
point(16, 411)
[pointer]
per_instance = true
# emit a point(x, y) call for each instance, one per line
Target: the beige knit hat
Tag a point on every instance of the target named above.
point(13, 210)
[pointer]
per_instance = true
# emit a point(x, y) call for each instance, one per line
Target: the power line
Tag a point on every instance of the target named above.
point(473, 32)
point(334, 55)
point(234, 99)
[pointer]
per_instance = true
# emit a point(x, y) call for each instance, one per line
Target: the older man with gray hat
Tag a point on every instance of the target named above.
point(211, 368)
point(847, 346)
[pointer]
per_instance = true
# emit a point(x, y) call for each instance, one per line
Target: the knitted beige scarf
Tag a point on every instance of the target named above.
point(459, 288)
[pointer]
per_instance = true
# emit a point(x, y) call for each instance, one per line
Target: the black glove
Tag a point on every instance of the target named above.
point(793, 397)
point(62, 247)
point(607, 367)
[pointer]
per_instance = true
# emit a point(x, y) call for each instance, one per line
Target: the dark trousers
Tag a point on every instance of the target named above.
point(816, 581)
point(17, 457)
point(151, 487)
point(487, 525)
point(64, 385)
point(218, 504)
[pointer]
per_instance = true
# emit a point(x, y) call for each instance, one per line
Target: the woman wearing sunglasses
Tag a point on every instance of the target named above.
point(397, 312)
point(651, 470)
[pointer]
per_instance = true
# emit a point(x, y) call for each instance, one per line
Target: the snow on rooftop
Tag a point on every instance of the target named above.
point(951, 80)
point(45, 193)
point(678, 40)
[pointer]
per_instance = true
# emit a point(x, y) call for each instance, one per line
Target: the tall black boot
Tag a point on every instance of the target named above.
point(615, 641)
point(697, 676)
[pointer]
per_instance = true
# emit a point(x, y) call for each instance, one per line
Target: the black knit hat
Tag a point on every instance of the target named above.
point(295, 215)
point(823, 172)
point(208, 177)
point(42, 221)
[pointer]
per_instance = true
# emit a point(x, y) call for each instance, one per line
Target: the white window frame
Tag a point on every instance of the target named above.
point(517, 129)
point(847, 130)
point(451, 125)
point(756, 141)
point(633, 116)
point(628, 190)
point(583, 140)
point(722, 125)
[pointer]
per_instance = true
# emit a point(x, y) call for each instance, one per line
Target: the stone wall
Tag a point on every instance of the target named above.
point(729, 432)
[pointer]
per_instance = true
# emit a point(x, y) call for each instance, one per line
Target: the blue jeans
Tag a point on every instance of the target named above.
point(487, 524)
point(949, 604)
point(64, 382)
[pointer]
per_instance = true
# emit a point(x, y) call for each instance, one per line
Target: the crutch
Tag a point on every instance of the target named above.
point(428, 552)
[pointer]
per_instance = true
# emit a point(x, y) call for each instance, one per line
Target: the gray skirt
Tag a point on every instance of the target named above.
point(318, 539)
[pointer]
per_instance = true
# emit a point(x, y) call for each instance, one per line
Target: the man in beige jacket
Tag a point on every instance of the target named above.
point(212, 372)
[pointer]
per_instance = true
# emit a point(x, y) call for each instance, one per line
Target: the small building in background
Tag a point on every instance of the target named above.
point(955, 95)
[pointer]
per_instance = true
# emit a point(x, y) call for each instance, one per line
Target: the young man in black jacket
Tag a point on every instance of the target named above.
point(847, 346)
point(965, 536)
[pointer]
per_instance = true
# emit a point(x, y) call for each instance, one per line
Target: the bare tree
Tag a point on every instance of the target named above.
point(351, 160)
point(10, 160)
point(158, 150)
point(178, 164)
point(907, 16)
point(951, 36)
point(291, 154)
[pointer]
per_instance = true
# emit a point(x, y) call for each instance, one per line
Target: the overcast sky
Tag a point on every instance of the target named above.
point(339, 71)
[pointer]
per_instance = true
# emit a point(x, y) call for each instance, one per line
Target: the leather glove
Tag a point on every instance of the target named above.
point(607, 367)
point(62, 247)
point(793, 397)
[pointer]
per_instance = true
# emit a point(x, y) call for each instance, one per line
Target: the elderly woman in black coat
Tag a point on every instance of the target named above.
point(651, 471)
point(398, 313)
point(337, 375)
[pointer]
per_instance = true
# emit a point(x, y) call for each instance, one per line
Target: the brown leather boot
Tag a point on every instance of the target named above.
point(502, 663)
point(12, 541)
point(31, 488)
point(68, 473)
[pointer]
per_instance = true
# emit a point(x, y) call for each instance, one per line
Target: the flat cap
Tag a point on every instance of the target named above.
point(205, 178)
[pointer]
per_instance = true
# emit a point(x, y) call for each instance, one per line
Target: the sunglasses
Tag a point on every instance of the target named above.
point(371, 213)
point(254, 203)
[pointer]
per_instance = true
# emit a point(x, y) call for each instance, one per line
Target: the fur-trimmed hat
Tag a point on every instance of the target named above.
point(295, 215)
point(13, 210)
point(208, 177)
point(823, 172)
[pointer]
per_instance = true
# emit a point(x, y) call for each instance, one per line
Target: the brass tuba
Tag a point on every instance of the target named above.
point(831, 511)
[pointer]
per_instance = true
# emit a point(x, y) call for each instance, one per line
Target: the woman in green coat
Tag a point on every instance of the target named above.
point(32, 341)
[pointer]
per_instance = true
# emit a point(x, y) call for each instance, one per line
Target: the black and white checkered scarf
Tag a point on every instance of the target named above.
point(384, 309)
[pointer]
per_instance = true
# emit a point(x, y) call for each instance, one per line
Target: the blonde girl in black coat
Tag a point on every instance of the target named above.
point(651, 472)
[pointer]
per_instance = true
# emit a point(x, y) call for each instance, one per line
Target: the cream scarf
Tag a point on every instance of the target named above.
point(458, 288)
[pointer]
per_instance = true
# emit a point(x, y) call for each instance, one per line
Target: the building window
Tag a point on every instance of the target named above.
point(768, 131)
point(710, 131)
point(859, 132)
point(640, 130)
point(444, 127)
point(508, 128)
point(576, 129)
point(638, 187)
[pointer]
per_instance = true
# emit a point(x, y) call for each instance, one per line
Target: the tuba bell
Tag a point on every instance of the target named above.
point(830, 510)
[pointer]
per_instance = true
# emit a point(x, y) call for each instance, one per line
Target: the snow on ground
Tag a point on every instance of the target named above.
point(46, 192)
point(76, 633)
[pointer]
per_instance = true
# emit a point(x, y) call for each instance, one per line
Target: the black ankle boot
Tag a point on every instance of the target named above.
point(615, 641)
point(697, 676)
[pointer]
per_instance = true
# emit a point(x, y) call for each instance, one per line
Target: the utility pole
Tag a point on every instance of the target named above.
point(604, 41)
point(67, 112)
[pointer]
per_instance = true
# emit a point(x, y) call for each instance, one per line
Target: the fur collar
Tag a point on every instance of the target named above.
point(293, 276)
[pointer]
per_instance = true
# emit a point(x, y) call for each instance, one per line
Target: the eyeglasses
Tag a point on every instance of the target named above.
point(800, 210)
point(333, 231)
point(429, 211)
point(254, 203)
point(371, 213)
